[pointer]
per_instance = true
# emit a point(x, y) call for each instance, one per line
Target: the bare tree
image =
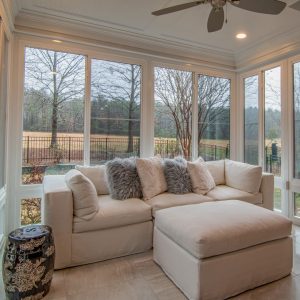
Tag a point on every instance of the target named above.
point(120, 83)
point(174, 89)
point(56, 75)
point(213, 100)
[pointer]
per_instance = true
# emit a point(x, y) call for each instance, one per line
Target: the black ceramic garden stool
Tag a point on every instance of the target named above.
point(28, 263)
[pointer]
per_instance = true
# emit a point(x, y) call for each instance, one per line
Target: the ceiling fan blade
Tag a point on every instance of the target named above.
point(295, 5)
point(215, 20)
point(176, 8)
point(272, 7)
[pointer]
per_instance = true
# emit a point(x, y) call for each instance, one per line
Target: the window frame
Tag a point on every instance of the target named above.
point(147, 61)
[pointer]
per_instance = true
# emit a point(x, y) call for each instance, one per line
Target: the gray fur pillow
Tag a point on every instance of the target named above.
point(123, 179)
point(177, 176)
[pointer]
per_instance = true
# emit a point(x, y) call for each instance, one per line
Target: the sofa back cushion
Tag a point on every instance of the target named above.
point(177, 176)
point(123, 179)
point(202, 180)
point(151, 173)
point(243, 176)
point(217, 170)
point(97, 175)
point(84, 194)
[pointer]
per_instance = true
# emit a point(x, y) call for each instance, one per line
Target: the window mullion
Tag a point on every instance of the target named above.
point(195, 117)
point(87, 111)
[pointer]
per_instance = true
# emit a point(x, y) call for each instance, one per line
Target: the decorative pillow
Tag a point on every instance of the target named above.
point(177, 176)
point(202, 180)
point(97, 175)
point(123, 179)
point(151, 173)
point(243, 176)
point(84, 194)
point(217, 170)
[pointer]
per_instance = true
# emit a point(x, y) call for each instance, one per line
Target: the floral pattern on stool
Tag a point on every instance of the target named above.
point(28, 262)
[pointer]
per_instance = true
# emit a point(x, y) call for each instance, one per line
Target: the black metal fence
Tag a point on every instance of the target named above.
point(38, 150)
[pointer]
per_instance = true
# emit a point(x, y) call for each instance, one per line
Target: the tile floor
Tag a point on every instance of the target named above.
point(137, 277)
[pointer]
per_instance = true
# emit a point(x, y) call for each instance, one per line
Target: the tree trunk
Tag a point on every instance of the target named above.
point(54, 126)
point(54, 105)
point(130, 113)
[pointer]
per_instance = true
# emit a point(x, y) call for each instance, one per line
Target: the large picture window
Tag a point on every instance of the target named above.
point(213, 117)
point(251, 116)
point(173, 112)
point(115, 110)
point(53, 117)
point(273, 121)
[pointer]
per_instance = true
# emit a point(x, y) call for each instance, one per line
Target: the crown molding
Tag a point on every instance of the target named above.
point(7, 13)
point(122, 38)
point(278, 47)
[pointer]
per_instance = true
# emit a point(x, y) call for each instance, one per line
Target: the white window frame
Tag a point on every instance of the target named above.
point(17, 191)
point(279, 182)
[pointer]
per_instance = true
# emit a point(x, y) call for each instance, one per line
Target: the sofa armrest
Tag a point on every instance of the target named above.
point(57, 212)
point(267, 190)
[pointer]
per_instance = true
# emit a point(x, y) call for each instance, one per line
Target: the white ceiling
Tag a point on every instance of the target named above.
point(187, 27)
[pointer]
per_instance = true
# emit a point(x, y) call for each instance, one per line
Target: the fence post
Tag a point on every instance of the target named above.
point(106, 154)
point(215, 152)
point(27, 153)
point(69, 148)
point(167, 147)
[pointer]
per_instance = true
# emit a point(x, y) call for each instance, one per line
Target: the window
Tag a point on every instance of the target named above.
point(115, 110)
point(53, 113)
point(297, 120)
point(173, 112)
point(273, 121)
point(30, 211)
point(277, 199)
point(251, 116)
point(213, 117)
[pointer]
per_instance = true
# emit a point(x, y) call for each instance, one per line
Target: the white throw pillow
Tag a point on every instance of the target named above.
point(202, 180)
point(217, 170)
point(97, 175)
point(243, 176)
point(84, 194)
point(151, 173)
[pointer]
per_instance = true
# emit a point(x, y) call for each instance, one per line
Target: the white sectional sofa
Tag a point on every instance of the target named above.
point(123, 227)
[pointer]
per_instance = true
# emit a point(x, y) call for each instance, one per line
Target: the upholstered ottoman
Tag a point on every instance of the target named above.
point(215, 250)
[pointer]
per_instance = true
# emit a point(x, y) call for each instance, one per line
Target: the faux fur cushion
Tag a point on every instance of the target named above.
point(202, 180)
point(151, 172)
point(123, 179)
point(177, 176)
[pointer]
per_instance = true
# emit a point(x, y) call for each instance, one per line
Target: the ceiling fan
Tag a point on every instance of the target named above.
point(216, 17)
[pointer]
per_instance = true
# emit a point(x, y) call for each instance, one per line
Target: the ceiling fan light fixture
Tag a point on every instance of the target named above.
point(241, 36)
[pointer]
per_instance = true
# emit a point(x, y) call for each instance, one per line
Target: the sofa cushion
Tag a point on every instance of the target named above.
point(243, 176)
point(84, 194)
point(215, 228)
point(114, 213)
point(224, 192)
point(202, 180)
point(177, 176)
point(97, 175)
point(166, 200)
point(123, 179)
point(217, 170)
point(151, 173)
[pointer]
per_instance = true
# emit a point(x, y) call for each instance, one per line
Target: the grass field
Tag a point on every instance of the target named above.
point(37, 134)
